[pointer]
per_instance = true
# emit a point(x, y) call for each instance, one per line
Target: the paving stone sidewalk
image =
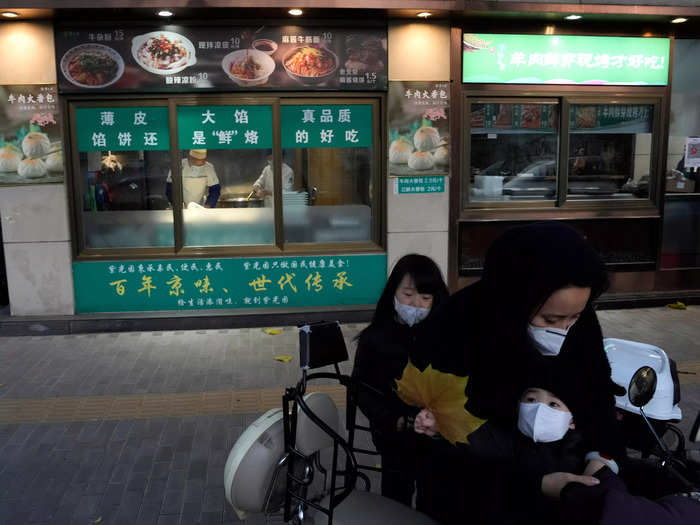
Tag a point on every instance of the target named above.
point(169, 470)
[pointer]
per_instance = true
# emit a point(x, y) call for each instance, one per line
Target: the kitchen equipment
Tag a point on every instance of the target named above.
point(240, 202)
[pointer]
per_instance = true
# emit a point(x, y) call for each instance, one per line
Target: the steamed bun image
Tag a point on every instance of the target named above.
point(35, 144)
point(421, 160)
point(54, 162)
point(9, 159)
point(426, 138)
point(442, 156)
point(31, 168)
point(399, 151)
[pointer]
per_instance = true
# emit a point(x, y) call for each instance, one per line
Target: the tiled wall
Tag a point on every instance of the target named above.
point(418, 223)
point(34, 218)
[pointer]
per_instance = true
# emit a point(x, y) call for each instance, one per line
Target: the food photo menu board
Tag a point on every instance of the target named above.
point(177, 58)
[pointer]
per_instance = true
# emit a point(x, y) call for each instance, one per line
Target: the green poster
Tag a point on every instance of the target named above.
point(122, 128)
point(419, 184)
point(246, 282)
point(224, 127)
point(564, 59)
point(327, 126)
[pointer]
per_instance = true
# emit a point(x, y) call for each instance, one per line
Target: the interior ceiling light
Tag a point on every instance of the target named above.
point(295, 12)
point(424, 14)
point(165, 12)
point(573, 17)
point(679, 20)
point(10, 14)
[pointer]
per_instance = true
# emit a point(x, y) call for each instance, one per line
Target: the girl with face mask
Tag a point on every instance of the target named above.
point(412, 292)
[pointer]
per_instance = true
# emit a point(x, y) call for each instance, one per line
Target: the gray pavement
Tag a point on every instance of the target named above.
point(159, 460)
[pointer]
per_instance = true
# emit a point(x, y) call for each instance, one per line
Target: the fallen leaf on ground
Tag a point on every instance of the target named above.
point(443, 394)
point(283, 358)
point(677, 306)
point(272, 331)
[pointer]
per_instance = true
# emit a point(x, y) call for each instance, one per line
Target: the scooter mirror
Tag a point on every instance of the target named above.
point(642, 386)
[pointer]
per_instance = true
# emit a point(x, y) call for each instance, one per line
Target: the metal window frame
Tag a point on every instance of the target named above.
point(562, 207)
point(376, 244)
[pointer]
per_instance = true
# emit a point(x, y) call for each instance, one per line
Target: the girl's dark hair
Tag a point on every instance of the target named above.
point(426, 276)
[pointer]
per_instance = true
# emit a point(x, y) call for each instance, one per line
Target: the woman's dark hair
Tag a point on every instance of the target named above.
point(526, 264)
point(426, 276)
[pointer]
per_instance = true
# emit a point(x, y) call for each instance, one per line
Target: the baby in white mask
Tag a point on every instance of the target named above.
point(543, 417)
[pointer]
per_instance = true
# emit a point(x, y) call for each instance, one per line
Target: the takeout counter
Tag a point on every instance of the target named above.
point(227, 226)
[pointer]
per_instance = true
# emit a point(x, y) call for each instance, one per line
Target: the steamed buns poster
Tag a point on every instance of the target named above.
point(31, 149)
point(419, 142)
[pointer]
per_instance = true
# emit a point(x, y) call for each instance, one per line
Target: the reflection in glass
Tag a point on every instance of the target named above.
point(236, 213)
point(609, 151)
point(330, 200)
point(514, 148)
point(124, 199)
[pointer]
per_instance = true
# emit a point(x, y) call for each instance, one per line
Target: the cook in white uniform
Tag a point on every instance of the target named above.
point(263, 186)
point(198, 179)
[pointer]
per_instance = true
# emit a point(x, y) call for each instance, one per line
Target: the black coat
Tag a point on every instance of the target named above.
point(383, 350)
point(502, 364)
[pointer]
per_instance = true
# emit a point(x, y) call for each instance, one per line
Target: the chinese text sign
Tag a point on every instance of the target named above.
point(122, 128)
point(327, 126)
point(255, 282)
point(224, 127)
point(564, 59)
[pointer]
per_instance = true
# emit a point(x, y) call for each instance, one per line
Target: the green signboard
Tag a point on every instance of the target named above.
point(327, 126)
point(248, 282)
point(224, 127)
point(584, 117)
point(122, 128)
point(564, 59)
point(419, 184)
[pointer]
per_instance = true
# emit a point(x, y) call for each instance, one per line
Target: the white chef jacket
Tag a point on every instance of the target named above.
point(195, 181)
point(265, 180)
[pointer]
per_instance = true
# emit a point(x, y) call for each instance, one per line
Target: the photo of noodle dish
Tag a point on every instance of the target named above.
point(248, 67)
point(163, 52)
point(92, 66)
point(309, 64)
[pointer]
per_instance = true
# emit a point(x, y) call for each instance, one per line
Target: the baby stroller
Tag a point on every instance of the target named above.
point(294, 464)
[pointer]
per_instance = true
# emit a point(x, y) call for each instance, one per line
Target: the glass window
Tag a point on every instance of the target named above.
point(123, 155)
point(514, 150)
point(609, 151)
point(327, 172)
point(681, 228)
point(226, 179)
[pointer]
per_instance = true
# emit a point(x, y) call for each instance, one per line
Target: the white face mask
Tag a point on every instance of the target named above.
point(547, 340)
point(543, 423)
point(410, 314)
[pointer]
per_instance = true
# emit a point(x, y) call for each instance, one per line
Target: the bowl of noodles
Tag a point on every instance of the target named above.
point(310, 65)
point(248, 67)
point(163, 52)
point(92, 66)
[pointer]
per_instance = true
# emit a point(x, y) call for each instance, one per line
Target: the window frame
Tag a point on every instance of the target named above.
point(561, 206)
point(376, 244)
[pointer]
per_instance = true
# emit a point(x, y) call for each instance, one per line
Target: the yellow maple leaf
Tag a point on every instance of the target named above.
point(443, 394)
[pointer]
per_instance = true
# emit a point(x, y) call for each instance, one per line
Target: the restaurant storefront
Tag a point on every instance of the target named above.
point(267, 164)
point(574, 125)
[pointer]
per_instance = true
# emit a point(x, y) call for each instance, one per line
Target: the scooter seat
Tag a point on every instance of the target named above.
point(368, 508)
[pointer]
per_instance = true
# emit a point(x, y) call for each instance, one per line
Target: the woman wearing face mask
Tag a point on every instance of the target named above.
point(532, 310)
point(413, 290)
